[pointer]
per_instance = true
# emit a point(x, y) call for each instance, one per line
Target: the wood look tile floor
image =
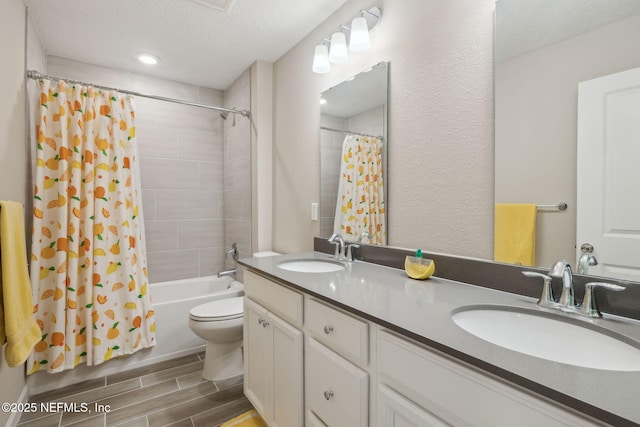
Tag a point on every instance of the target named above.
point(171, 393)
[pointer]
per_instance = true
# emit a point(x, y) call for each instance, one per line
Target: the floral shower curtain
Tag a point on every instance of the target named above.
point(360, 205)
point(88, 261)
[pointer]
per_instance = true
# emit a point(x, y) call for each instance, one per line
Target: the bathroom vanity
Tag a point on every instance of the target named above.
point(367, 346)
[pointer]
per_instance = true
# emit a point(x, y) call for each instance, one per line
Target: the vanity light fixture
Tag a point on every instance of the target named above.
point(359, 40)
point(321, 59)
point(147, 58)
point(338, 53)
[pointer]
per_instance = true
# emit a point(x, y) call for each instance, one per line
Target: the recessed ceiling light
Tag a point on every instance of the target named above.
point(147, 58)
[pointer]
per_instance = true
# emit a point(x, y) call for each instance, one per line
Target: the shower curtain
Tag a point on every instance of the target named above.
point(88, 262)
point(360, 205)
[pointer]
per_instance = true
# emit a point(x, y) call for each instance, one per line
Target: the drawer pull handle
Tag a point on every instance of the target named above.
point(328, 329)
point(328, 394)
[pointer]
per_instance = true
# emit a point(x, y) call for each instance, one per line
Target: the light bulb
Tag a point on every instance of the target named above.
point(359, 41)
point(338, 52)
point(321, 59)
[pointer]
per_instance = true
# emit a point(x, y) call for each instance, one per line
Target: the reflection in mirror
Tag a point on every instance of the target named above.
point(353, 157)
point(545, 51)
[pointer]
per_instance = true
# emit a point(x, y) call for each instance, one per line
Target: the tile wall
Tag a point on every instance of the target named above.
point(182, 161)
point(237, 171)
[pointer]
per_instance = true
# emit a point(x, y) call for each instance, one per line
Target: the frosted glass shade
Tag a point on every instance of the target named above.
point(321, 59)
point(359, 41)
point(338, 52)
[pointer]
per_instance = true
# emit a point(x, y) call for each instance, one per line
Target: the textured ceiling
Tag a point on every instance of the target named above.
point(196, 44)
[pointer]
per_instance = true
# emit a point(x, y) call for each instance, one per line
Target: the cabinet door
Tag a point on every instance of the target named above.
point(287, 373)
point(395, 410)
point(336, 390)
point(258, 355)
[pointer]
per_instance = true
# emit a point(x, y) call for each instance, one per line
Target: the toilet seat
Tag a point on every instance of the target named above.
point(218, 310)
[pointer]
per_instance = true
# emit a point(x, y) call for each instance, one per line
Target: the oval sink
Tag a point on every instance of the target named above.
point(311, 265)
point(549, 338)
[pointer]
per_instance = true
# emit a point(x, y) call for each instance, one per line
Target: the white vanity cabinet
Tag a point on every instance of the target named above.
point(336, 389)
point(308, 362)
point(273, 351)
point(420, 387)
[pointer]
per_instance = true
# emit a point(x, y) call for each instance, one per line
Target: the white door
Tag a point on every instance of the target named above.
point(608, 161)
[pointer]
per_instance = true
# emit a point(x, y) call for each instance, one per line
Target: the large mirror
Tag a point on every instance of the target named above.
point(354, 118)
point(544, 51)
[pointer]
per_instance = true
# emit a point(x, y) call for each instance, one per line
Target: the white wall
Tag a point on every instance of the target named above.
point(13, 157)
point(536, 122)
point(440, 125)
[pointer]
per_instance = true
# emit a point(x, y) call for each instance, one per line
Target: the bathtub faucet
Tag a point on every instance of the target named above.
point(230, 272)
point(235, 254)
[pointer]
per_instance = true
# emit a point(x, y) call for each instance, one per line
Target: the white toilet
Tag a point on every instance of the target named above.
point(219, 323)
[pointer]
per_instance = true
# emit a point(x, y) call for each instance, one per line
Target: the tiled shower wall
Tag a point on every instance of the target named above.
point(182, 161)
point(237, 172)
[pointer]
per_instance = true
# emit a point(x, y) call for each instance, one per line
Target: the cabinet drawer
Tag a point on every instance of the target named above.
point(283, 301)
point(341, 332)
point(336, 390)
point(460, 395)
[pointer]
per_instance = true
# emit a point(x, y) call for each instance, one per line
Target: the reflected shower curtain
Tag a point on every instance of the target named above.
point(88, 261)
point(360, 205)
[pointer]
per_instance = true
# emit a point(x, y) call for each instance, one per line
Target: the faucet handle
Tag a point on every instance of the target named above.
point(589, 305)
point(350, 247)
point(546, 299)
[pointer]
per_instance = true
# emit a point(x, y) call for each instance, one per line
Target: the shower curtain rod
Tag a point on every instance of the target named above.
point(353, 133)
point(38, 76)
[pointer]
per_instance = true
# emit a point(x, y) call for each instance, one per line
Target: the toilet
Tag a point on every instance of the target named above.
point(220, 323)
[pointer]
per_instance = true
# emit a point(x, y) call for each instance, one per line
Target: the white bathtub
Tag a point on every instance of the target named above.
point(171, 303)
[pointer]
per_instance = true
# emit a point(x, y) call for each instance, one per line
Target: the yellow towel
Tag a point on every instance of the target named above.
point(248, 419)
point(514, 239)
point(17, 325)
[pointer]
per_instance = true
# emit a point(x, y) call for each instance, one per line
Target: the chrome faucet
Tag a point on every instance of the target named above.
point(337, 240)
point(587, 259)
point(364, 234)
point(235, 254)
point(562, 269)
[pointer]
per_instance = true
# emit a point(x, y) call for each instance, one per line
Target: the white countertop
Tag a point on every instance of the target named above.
point(422, 310)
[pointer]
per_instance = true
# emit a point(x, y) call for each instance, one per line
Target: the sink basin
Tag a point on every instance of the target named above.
point(550, 338)
point(311, 265)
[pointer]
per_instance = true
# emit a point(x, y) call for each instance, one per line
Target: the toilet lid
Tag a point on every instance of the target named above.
point(222, 309)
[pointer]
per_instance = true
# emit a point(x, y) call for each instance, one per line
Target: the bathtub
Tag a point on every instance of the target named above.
point(172, 301)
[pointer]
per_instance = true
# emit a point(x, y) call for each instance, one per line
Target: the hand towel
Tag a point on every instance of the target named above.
point(514, 238)
point(17, 325)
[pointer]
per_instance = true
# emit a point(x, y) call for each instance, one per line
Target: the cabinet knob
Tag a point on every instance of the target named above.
point(265, 323)
point(328, 329)
point(328, 394)
point(260, 321)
